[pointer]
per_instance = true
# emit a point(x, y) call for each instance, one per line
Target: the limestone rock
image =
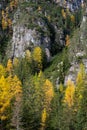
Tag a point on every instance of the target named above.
point(29, 32)
point(78, 50)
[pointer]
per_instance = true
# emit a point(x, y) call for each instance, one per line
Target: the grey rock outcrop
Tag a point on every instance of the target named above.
point(78, 51)
point(24, 39)
point(71, 5)
point(27, 37)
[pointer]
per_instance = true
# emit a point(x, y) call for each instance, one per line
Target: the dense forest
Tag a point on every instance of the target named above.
point(43, 65)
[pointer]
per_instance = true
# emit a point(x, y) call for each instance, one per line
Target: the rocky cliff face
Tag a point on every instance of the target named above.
point(71, 5)
point(78, 50)
point(29, 32)
point(24, 38)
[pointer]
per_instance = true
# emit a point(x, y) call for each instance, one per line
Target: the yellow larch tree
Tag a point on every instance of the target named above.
point(13, 4)
point(28, 55)
point(44, 115)
point(48, 93)
point(4, 24)
point(81, 74)
point(67, 40)
point(61, 88)
point(15, 62)
point(9, 66)
point(73, 18)
point(5, 97)
point(80, 82)
point(37, 54)
point(43, 119)
point(69, 93)
point(39, 8)
point(4, 20)
point(80, 78)
point(37, 57)
point(9, 23)
point(3, 13)
point(63, 14)
point(10, 87)
point(15, 84)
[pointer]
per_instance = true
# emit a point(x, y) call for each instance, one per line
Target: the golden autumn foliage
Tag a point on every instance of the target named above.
point(79, 78)
point(37, 56)
point(5, 96)
point(16, 62)
point(80, 82)
point(44, 116)
point(13, 4)
point(72, 18)
point(10, 87)
point(9, 65)
point(69, 93)
point(63, 13)
point(9, 23)
point(14, 84)
point(81, 74)
point(48, 93)
point(3, 13)
point(40, 75)
point(67, 40)
point(39, 8)
point(4, 24)
point(61, 88)
point(6, 21)
point(43, 119)
point(28, 55)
